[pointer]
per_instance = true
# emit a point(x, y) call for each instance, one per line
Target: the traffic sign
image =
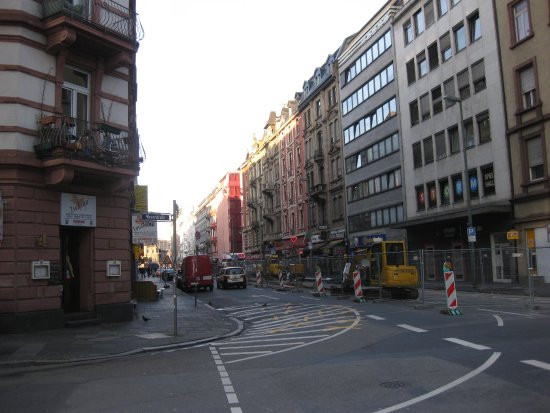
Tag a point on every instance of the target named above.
point(293, 239)
point(155, 216)
point(512, 235)
point(471, 234)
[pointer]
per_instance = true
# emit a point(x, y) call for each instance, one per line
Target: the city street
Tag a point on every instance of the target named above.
point(300, 353)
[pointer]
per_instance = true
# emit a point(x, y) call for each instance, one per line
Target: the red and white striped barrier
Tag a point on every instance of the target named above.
point(452, 302)
point(258, 278)
point(319, 283)
point(358, 288)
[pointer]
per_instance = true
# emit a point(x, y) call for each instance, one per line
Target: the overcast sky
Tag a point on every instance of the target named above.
point(209, 73)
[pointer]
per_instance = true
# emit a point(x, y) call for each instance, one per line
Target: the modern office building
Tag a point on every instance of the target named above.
point(371, 132)
point(68, 160)
point(523, 35)
point(454, 149)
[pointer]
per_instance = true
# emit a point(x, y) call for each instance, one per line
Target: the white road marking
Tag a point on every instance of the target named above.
point(247, 352)
point(536, 363)
point(310, 298)
point(226, 382)
point(237, 341)
point(267, 296)
point(375, 317)
point(284, 334)
point(505, 312)
point(412, 328)
point(500, 323)
point(467, 343)
point(262, 345)
point(490, 361)
point(344, 330)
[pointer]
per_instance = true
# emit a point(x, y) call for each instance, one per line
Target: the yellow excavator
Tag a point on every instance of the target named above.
point(385, 264)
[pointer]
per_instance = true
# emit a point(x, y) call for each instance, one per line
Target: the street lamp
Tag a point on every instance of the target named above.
point(470, 223)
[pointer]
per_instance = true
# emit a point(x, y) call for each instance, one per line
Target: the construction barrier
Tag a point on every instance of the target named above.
point(281, 281)
point(358, 288)
point(450, 288)
point(258, 278)
point(320, 288)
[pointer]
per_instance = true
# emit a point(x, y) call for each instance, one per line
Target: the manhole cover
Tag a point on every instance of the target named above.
point(393, 384)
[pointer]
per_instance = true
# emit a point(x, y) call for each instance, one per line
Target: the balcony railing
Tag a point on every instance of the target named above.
point(106, 15)
point(62, 136)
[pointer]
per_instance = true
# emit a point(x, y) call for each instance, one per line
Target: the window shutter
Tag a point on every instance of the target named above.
point(527, 78)
point(478, 71)
point(534, 152)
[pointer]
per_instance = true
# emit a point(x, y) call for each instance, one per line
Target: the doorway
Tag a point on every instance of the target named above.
point(76, 269)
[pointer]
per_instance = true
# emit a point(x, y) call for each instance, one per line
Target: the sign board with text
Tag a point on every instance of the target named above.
point(155, 216)
point(78, 210)
point(143, 231)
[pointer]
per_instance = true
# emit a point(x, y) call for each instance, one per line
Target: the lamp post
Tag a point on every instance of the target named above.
point(470, 223)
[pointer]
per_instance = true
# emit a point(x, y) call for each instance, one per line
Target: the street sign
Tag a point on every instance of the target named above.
point(167, 260)
point(471, 234)
point(155, 216)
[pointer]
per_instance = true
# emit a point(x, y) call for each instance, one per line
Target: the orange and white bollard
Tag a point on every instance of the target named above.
point(281, 281)
point(450, 288)
point(358, 288)
point(319, 284)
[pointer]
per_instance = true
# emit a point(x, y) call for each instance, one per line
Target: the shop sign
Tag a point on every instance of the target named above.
point(512, 235)
point(78, 210)
point(143, 231)
point(140, 198)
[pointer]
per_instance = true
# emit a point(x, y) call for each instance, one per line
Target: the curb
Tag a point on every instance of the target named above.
point(142, 350)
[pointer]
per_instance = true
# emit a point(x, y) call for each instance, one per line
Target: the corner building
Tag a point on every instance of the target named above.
point(68, 160)
point(450, 48)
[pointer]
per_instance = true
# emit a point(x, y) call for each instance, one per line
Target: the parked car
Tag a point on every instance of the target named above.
point(167, 274)
point(196, 271)
point(231, 277)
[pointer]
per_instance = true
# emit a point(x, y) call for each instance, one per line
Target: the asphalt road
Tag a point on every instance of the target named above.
point(300, 353)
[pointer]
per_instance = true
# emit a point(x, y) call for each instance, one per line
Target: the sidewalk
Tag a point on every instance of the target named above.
point(195, 325)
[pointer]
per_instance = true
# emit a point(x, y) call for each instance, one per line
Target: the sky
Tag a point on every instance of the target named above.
point(209, 74)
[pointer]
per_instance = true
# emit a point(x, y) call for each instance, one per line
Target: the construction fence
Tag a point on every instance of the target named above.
point(522, 271)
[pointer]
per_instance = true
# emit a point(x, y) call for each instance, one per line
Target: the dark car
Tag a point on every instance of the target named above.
point(231, 277)
point(167, 274)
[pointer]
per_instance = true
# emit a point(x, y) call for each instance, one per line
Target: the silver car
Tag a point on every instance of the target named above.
point(231, 277)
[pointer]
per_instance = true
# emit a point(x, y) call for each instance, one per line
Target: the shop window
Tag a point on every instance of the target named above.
point(458, 189)
point(473, 184)
point(444, 191)
point(420, 198)
point(432, 195)
point(488, 177)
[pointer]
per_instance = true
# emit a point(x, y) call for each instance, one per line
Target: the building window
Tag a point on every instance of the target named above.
point(417, 155)
point(428, 150)
point(411, 75)
point(469, 138)
point(372, 53)
point(75, 96)
point(444, 191)
point(535, 158)
point(440, 147)
point(433, 56)
point(408, 32)
point(418, 22)
point(488, 176)
point(437, 101)
point(318, 108)
point(429, 15)
point(381, 114)
point(425, 106)
point(454, 2)
point(519, 12)
point(454, 141)
point(528, 87)
point(442, 7)
point(483, 127)
point(413, 109)
point(460, 37)
point(458, 192)
point(449, 89)
point(478, 76)
point(445, 47)
point(332, 96)
point(422, 65)
point(463, 81)
point(474, 26)
point(420, 198)
point(432, 195)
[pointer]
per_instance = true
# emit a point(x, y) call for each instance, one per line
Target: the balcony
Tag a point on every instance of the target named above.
point(317, 193)
point(65, 137)
point(269, 215)
point(105, 15)
point(318, 156)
